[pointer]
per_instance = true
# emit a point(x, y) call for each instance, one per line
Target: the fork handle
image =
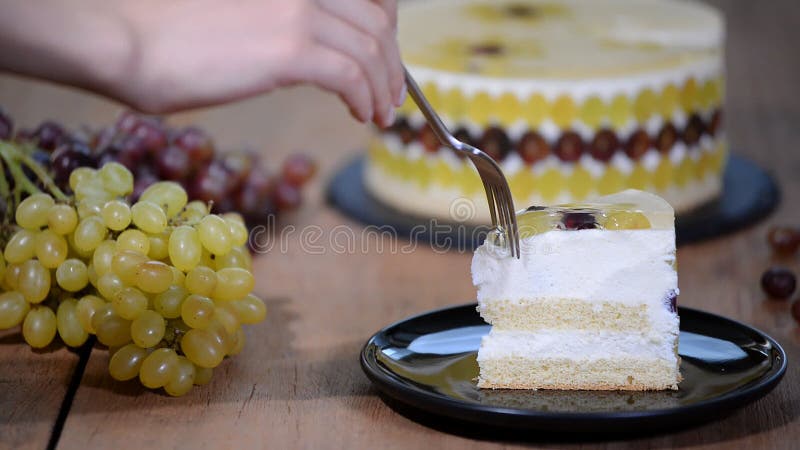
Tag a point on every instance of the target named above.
point(438, 127)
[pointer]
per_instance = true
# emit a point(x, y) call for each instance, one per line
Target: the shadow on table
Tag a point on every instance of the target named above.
point(270, 368)
point(774, 411)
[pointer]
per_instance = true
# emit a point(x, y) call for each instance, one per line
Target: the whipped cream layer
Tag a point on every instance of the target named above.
point(628, 266)
point(577, 345)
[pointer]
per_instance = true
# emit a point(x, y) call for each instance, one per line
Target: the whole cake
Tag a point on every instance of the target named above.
point(591, 303)
point(573, 98)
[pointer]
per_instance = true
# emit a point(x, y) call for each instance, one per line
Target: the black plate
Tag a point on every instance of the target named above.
point(749, 194)
point(428, 363)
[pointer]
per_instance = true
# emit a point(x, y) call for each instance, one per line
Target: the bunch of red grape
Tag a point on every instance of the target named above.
point(152, 151)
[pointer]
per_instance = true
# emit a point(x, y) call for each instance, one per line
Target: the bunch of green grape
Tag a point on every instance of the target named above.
point(163, 283)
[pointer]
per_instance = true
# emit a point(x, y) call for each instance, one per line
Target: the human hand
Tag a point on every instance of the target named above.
point(202, 52)
point(165, 56)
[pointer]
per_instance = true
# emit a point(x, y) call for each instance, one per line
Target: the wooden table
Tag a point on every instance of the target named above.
point(298, 382)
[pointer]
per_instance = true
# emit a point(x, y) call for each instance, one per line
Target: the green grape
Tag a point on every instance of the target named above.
point(149, 217)
point(2, 267)
point(215, 235)
point(207, 259)
point(91, 274)
point(196, 311)
point(13, 309)
point(34, 281)
point(233, 283)
point(51, 249)
point(86, 308)
point(111, 329)
point(129, 303)
point(193, 212)
point(238, 342)
point(178, 277)
point(84, 254)
point(72, 275)
point(133, 240)
point(80, 174)
point(32, 213)
point(21, 247)
point(148, 329)
point(91, 207)
point(91, 188)
point(153, 277)
point(90, 233)
point(202, 375)
point(226, 316)
point(125, 264)
point(238, 232)
point(116, 215)
point(62, 219)
point(168, 303)
point(108, 285)
point(238, 257)
point(159, 246)
point(103, 256)
point(183, 378)
point(69, 325)
point(201, 281)
point(249, 310)
point(125, 363)
point(11, 280)
point(116, 178)
point(233, 217)
point(39, 327)
point(167, 194)
point(158, 368)
point(202, 348)
point(185, 250)
point(221, 337)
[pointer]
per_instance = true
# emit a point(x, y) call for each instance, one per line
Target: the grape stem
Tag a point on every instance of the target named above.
point(14, 160)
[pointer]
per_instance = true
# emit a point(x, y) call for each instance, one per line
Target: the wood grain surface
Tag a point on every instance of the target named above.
point(298, 383)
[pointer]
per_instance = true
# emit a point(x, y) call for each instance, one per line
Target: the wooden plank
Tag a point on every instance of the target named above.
point(33, 385)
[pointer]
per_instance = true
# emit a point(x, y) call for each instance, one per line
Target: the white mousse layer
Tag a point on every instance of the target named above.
point(577, 345)
point(631, 267)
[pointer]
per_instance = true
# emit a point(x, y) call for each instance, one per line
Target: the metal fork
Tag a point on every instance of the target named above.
point(501, 205)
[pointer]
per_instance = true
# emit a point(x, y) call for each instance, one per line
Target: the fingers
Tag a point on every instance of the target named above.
point(334, 33)
point(373, 19)
point(335, 72)
point(390, 8)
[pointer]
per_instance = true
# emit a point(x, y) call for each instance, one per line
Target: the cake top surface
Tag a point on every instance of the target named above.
point(627, 210)
point(567, 39)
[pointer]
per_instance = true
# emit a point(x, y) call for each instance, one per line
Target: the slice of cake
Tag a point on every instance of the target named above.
point(591, 302)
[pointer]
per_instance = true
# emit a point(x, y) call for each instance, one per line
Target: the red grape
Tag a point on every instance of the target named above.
point(144, 178)
point(152, 135)
point(173, 163)
point(130, 151)
point(778, 282)
point(569, 147)
point(784, 240)
point(212, 183)
point(68, 157)
point(196, 143)
point(48, 135)
point(298, 169)
point(286, 196)
point(495, 143)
